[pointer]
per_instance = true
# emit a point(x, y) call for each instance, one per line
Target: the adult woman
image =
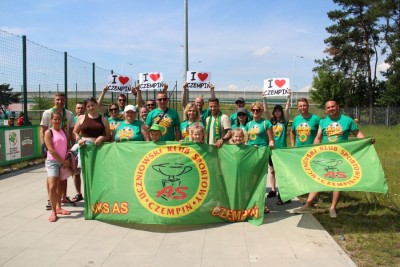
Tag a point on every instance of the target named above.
point(191, 116)
point(113, 118)
point(279, 123)
point(241, 120)
point(143, 111)
point(259, 131)
point(131, 129)
point(92, 127)
point(56, 143)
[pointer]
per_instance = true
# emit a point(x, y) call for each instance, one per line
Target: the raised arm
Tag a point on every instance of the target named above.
point(184, 94)
point(265, 105)
point(287, 107)
point(101, 97)
point(139, 97)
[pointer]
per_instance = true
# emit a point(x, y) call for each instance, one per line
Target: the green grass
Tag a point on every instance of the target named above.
point(368, 224)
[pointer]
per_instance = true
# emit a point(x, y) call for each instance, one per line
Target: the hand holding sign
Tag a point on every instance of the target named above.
point(276, 87)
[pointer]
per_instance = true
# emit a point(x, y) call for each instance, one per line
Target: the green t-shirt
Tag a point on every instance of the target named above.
point(257, 132)
point(129, 131)
point(240, 126)
point(305, 129)
point(280, 133)
point(204, 114)
point(113, 123)
point(337, 129)
point(168, 123)
point(185, 129)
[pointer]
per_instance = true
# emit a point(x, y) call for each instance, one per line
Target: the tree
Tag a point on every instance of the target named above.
point(7, 97)
point(353, 50)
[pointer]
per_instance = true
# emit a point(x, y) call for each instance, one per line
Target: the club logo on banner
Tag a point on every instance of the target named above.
point(332, 166)
point(276, 87)
point(198, 80)
point(151, 80)
point(172, 189)
point(119, 83)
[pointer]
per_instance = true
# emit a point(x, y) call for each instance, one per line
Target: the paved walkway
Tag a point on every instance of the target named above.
point(28, 239)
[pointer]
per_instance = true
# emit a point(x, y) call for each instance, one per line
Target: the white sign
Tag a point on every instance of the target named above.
point(276, 87)
point(151, 80)
point(119, 83)
point(198, 80)
point(13, 144)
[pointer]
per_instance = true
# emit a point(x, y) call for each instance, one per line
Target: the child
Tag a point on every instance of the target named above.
point(155, 132)
point(238, 136)
point(197, 133)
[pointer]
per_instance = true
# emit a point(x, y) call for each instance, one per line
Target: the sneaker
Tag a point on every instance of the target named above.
point(48, 205)
point(67, 201)
point(302, 210)
point(332, 213)
point(271, 194)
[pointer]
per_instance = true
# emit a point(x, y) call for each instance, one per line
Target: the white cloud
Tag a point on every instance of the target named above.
point(262, 51)
point(383, 66)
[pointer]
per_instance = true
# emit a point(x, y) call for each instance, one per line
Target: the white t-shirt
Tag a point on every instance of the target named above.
point(46, 119)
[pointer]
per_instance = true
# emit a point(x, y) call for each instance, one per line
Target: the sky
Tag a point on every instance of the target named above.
point(241, 43)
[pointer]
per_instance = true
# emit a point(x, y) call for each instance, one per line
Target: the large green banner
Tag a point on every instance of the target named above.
point(345, 166)
point(174, 183)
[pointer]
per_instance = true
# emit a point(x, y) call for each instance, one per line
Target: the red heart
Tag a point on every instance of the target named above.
point(202, 76)
point(279, 83)
point(123, 79)
point(155, 76)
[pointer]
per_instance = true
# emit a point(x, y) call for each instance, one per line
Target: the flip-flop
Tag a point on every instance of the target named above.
point(77, 198)
point(53, 218)
point(63, 212)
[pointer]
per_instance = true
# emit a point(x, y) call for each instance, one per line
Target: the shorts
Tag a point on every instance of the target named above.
point(53, 168)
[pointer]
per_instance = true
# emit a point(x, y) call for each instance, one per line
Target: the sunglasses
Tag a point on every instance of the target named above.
point(255, 110)
point(162, 99)
point(151, 105)
point(122, 100)
point(113, 109)
point(242, 114)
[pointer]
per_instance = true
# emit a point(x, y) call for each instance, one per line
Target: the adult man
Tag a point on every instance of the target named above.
point(304, 126)
point(167, 118)
point(333, 128)
point(240, 103)
point(199, 101)
point(67, 125)
point(218, 125)
point(79, 110)
point(150, 104)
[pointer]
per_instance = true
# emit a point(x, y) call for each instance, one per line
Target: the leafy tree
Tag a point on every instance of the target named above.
point(7, 97)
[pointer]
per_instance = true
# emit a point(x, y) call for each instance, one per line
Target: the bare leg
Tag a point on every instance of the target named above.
point(63, 188)
point(78, 182)
point(271, 175)
point(335, 199)
point(310, 199)
point(52, 183)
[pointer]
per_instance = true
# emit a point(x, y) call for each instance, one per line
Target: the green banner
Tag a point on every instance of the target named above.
point(344, 166)
point(174, 183)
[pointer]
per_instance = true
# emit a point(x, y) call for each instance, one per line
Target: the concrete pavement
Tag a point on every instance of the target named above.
point(28, 238)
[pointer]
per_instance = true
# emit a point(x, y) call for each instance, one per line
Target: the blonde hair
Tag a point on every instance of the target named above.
point(186, 110)
point(258, 105)
point(237, 131)
point(197, 127)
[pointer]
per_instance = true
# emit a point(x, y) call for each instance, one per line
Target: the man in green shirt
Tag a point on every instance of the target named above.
point(304, 126)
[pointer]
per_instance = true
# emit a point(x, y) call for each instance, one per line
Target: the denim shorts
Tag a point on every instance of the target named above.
point(53, 168)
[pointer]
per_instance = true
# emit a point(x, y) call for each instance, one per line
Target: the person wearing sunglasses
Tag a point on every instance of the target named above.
point(279, 120)
point(167, 118)
point(240, 103)
point(150, 104)
point(259, 130)
point(113, 117)
point(199, 101)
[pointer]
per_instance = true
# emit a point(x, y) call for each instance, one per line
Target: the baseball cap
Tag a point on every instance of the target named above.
point(155, 127)
point(241, 110)
point(239, 99)
point(130, 107)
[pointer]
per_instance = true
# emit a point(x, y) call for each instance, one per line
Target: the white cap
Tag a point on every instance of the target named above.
point(130, 107)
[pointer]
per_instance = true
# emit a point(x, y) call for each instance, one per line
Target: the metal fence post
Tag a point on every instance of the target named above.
point(24, 79)
point(66, 79)
point(94, 79)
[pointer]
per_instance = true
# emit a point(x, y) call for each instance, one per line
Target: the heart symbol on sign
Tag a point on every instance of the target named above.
point(280, 83)
point(154, 76)
point(202, 76)
point(123, 79)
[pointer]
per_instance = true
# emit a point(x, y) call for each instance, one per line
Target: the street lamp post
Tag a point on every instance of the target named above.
point(292, 80)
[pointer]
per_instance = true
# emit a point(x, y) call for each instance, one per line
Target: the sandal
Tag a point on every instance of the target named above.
point(63, 212)
point(77, 198)
point(53, 217)
point(68, 201)
point(266, 210)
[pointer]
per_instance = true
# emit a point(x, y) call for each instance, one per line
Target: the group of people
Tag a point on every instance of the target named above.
point(155, 121)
